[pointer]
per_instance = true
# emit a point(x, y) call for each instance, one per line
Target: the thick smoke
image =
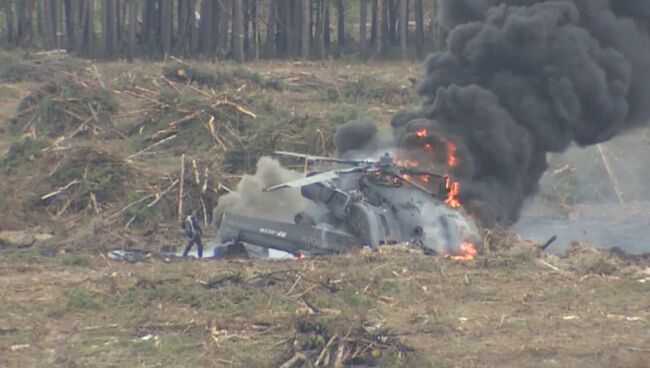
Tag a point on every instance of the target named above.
point(250, 200)
point(522, 78)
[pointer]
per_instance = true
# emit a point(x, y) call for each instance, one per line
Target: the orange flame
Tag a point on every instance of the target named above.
point(422, 132)
point(452, 160)
point(467, 252)
point(453, 189)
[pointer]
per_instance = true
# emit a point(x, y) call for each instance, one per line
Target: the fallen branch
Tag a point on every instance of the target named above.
point(151, 146)
point(237, 107)
point(180, 191)
point(171, 128)
point(298, 357)
point(554, 268)
point(131, 205)
point(99, 77)
point(215, 136)
point(60, 190)
point(324, 351)
point(162, 194)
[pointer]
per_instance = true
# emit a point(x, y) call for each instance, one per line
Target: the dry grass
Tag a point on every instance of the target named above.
point(393, 308)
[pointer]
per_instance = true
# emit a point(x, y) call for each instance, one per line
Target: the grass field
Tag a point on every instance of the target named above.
point(64, 304)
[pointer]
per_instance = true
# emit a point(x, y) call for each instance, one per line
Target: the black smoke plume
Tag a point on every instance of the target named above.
point(521, 78)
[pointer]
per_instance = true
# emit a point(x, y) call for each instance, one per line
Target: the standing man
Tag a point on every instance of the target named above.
point(193, 232)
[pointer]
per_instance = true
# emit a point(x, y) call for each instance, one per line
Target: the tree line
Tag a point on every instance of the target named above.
point(224, 29)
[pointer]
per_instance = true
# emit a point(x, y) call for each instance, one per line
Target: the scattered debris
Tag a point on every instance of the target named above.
point(19, 347)
point(130, 256)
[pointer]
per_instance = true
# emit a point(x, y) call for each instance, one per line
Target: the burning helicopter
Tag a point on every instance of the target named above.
point(361, 202)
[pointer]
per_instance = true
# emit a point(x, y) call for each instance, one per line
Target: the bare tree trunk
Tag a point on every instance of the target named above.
point(323, 40)
point(318, 28)
point(114, 26)
point(403, 27)
point(87, 44)
point(182, 43)
point(256, 30)
point(40, 21)
point(288, 25)
point(381, 29)
point(271, 29)
point(237, 31)
point(419, 27)
point(296, 27)
point(392, 10)
point(149, 30)
point(438, 33)
point(49, 27)
point(373, 22)
point(106, 24)
point(206, 32)
point(9, 21)
point(326, 24)
point(133, 21)
point(29, 23)
point(306, 28)
point(185, 44)
point(246, 15)
point(225, 42)
point(109, 32)
point(340, 27)
point(70, 23)
point(193, 36)
point(281, 34)
point(167, 24)
point(119, 24)
point(21, 15)
point(363, 19)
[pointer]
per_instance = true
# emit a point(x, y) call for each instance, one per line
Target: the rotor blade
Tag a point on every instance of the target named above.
point(418, 186)
point(324, 176)
point(320, 158)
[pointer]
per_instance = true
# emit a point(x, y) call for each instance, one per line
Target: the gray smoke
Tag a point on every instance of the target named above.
point(522, 78)
point(249, 199)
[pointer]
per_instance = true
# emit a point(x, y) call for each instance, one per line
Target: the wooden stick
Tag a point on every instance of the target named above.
point(131, 205)
point(174, 124)
point(206, 175)
point(169, 83)
point(93, 201)
point(205, 212)
point(180, 191)
point(99, 77)
point(147, 98)
point(158, 196)
point(196, 172)
point(298, 357)
point(325, 349)
point(162, 194)
point(237, 107)
point(610, 172)
point(215, 135)
point(60, 190)
point(152, 146)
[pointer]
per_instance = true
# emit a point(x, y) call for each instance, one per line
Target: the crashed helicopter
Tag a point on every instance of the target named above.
point(362, 203)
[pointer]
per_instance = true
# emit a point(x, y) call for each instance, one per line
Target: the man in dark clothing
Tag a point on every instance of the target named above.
point(193, 232)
